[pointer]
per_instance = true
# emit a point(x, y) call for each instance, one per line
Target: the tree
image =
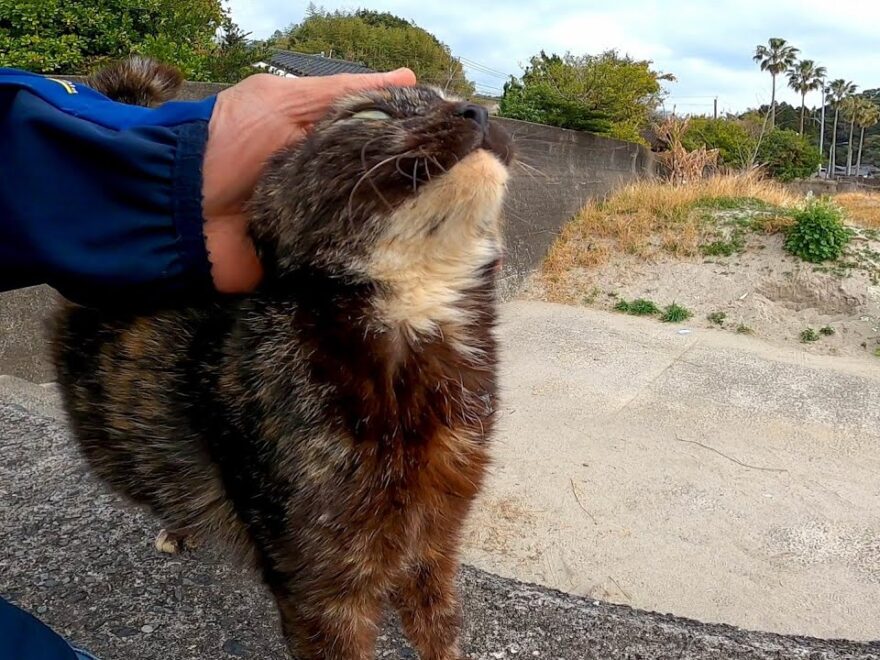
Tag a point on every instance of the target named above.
point(540, 104)
point(849, 110)
point(730, 137)
point(867, 115)
point(838, 90)
point(872, 149)
point(871, 153)
point(787, 155)
point(805, 77)
point(851, 107)
point(776, 57)
point(234, 55)
point(380, 41)
point(77, 36)
point(606, 93)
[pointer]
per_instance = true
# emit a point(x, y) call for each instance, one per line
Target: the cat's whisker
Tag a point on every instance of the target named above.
point(530, 169)
point(438, 164)
point(366, 177)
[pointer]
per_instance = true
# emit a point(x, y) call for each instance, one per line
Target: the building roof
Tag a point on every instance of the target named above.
point(300, 64)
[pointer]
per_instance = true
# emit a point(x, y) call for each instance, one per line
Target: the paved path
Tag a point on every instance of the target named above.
point(705, 474)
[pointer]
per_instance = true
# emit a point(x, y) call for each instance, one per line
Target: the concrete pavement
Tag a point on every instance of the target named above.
point(706, 474)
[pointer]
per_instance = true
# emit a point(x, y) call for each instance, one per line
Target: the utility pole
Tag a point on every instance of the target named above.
point(822, 131)
point(716, 108)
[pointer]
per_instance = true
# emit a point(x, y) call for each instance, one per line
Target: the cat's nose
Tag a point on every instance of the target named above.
point(475, 112)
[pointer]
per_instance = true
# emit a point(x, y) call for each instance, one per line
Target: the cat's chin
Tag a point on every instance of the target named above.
point(453, 224)
point(441, 245)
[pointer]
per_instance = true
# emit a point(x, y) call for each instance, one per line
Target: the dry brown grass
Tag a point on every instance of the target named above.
point(650, 216)
point(682, 166)
point(862, 208)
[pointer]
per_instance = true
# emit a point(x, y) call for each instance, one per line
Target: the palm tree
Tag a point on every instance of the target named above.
point(868, 115)
point(805, 77)
point(837, 91)
point(776, 57)
point(849, 108)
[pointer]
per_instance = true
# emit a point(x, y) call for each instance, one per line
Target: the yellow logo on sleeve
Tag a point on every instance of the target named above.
point(68, 86)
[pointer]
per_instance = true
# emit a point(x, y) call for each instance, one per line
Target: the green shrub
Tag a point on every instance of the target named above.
point(717, 318)
point(743, 329)
point(828, 331)
point(638, 307)
point(675, 314)
point(787, 155)
point(818, 233)
point(809, 335)
point(735, 145)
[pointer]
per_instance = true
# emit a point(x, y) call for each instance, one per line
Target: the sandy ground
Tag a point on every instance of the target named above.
point(764, 289)
point(709, 474)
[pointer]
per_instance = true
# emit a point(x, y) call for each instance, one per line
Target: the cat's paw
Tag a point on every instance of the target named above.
point(172, 542)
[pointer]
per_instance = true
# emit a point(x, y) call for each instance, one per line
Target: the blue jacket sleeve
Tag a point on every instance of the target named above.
point(100, 199)
point(23, 636)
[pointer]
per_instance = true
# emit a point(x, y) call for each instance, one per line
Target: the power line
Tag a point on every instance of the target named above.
point(478, 70)
point(484, 68)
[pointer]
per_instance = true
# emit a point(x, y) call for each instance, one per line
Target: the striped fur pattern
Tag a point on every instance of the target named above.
point(138, 80)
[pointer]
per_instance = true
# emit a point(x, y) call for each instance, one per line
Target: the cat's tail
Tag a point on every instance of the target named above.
point(138, 80)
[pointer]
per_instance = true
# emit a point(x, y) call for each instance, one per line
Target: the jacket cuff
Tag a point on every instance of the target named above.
point(187, 207)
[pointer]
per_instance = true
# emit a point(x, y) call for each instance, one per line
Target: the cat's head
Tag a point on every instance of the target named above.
point(395, 185)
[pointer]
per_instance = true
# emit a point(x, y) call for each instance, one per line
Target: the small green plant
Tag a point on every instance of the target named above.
point(809, 335)
point(721, 248)
point(675, 314)
point(827, 331)
point(717, 318)
point(724, 203)
point(743, 329)
point(638, 307)
point(877, 352)
point(818, 233)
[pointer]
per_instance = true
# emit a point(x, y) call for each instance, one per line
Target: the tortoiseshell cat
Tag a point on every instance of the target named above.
point(334, 424)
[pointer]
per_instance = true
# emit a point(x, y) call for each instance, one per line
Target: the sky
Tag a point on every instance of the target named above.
point(708, 46)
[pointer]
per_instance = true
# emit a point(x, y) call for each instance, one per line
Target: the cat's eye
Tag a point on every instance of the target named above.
point(371, 114)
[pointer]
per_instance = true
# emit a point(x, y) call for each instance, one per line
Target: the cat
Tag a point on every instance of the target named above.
point(334, 425)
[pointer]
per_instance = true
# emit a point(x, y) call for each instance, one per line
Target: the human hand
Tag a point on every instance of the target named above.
point(251, 121)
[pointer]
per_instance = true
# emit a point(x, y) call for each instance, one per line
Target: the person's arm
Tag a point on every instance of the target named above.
point(98, 198)
point(108, 202)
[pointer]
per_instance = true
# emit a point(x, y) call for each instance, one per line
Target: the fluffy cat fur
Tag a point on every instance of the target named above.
point(334, 425)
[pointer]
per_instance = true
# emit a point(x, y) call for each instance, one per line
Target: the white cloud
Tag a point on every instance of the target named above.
point(707, 45)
